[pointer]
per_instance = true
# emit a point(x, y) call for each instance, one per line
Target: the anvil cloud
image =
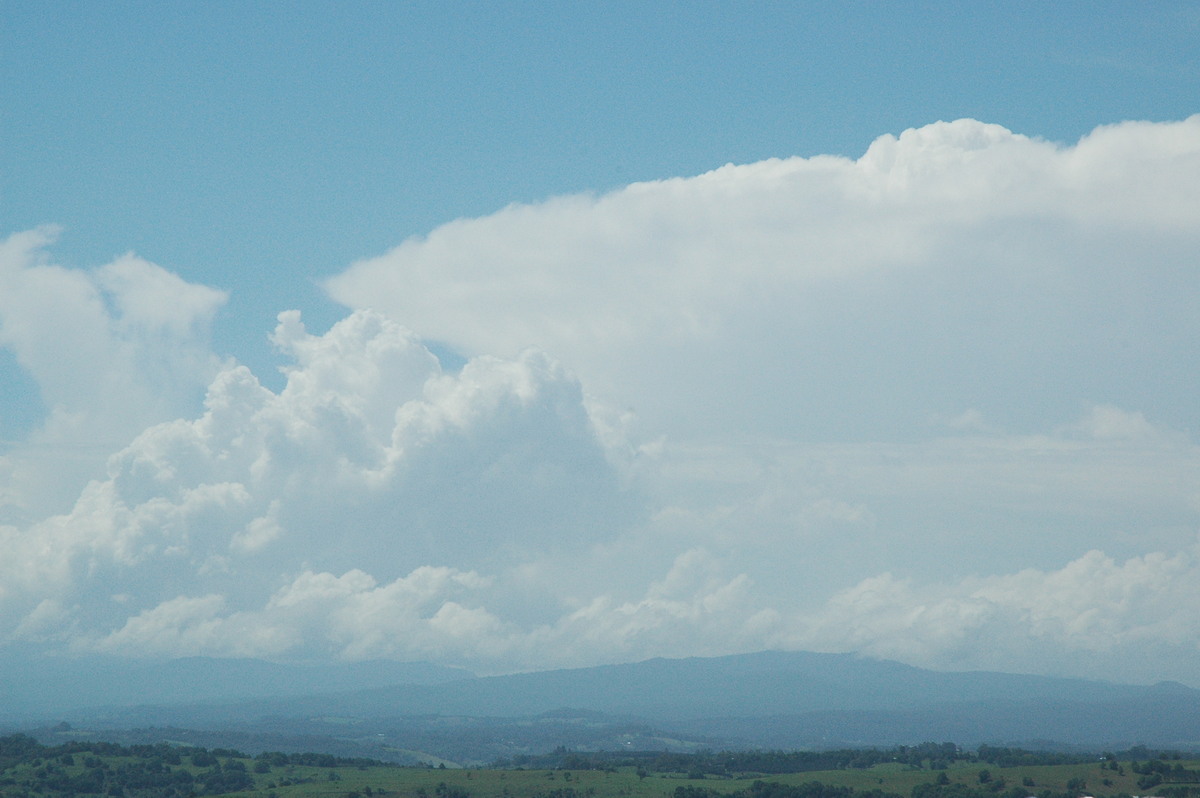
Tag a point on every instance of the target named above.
point(932, 404)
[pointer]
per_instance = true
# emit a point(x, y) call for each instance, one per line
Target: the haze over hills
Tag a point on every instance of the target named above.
point(767, 699)
point(765, 683)
point(40, 687)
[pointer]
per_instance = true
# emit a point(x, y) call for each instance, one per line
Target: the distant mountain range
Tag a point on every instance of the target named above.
point(765, 700)
point(38, 687)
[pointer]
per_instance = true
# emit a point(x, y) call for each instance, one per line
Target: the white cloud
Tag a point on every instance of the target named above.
point(850, 368)
point(111, 351)
point(931, 404)
point(209, 551)
point(259, 532)
point(1095, 616)
point(1105, 422)
point(224, 533)
point(696, 609)
point(956, 266)
point(348, 616)
point(180, 626)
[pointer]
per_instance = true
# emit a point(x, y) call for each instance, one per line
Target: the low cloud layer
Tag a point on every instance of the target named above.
point(1098, 617)
point(932, 404)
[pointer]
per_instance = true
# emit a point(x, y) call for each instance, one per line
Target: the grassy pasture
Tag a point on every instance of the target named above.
point(370, 781)
point(409, 783)
point(1044, 777)
point(625, 783)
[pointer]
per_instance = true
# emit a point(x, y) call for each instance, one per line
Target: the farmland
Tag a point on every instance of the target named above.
point(28, 769)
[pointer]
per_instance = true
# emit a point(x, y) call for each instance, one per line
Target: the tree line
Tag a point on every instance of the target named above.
point(928, 755)
point(140, 771)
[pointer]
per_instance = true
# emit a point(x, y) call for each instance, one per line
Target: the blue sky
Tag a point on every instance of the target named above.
point(942, 368)
point(261, 148)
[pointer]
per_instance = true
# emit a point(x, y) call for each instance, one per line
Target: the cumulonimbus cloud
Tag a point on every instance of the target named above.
point(932, 404)
point(370, 454)
point(956, 266)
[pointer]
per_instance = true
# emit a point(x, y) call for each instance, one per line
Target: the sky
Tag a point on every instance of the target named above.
point(531, 335)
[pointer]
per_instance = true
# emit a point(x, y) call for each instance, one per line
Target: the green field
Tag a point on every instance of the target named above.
point(625, 782)
point(166, 772)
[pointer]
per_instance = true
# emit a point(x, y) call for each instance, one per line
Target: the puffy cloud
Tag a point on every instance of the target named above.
point(179, 626)
point(963, 551)
point(1105, 422)
point(1095, 616)
point(111, 351)
point(696, 609)
point(858, 372)
point(211, 535)
point(440, 613)
point(320, 614)
point(223, 533)
point(928, 404)
point(805, 520)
